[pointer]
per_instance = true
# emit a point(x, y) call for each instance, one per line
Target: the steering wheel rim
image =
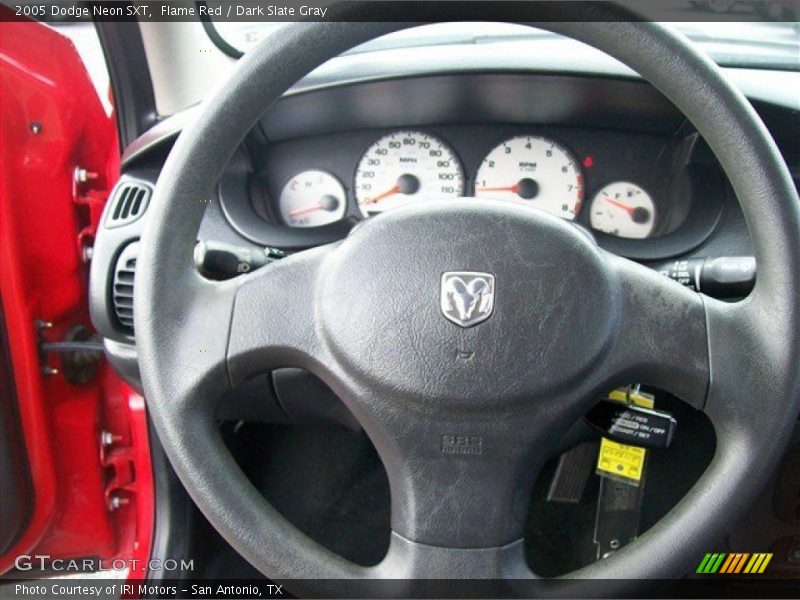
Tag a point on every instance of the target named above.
point(196, 338)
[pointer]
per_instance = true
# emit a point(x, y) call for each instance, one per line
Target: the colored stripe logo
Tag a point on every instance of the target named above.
point(734, 563)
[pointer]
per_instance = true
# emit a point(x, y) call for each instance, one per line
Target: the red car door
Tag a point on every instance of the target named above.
point(75, 469)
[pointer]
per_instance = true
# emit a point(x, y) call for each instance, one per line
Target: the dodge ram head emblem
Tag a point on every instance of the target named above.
point(467, 298)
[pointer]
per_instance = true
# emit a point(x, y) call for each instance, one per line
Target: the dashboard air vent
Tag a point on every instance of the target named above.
point(128, 203)
point(122, 292)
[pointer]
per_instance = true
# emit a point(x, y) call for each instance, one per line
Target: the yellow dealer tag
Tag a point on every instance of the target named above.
point(621, 461)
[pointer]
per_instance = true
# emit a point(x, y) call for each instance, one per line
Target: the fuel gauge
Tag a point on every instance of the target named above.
point(623, 209)
point(311, 199)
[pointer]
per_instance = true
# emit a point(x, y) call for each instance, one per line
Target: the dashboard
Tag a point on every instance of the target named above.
point(623, 185)
point(609, 153)
point(404, 167)
point(612, 155)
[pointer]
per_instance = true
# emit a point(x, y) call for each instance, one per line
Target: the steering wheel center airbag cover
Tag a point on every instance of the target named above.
point(555, 308)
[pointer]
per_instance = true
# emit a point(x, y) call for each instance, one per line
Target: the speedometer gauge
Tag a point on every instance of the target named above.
point(623, 209)
point(405, 167)
point(533, 171)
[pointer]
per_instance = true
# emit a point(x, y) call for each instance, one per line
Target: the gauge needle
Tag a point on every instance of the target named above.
point(302, 211)
point(514, 189)
point(390, 192)
point(526, 188)
point(626, 207)
point(327, 202)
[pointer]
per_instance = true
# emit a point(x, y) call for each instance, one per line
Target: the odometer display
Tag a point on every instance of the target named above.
point(405, 167)
point(533, 171)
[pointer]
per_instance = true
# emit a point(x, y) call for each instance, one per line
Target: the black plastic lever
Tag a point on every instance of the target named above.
point(223, 261)
point(721, 277)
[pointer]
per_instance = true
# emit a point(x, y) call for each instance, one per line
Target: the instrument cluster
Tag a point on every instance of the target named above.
point(409, 166)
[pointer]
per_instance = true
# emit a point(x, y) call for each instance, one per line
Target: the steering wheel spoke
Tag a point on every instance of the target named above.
point(460, 493)
point(273, 322)
point(745, 359)
point(409, 562)
point(461, 484)
point(458, 481)
point(663, 339)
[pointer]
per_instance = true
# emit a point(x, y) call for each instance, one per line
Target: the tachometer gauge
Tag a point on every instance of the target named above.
point(533, 171)
point(311, 199)
point(623, 209)
point(404, 167)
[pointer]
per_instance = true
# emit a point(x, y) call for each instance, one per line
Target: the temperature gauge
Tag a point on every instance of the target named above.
point(311, 199)
point(623, 209)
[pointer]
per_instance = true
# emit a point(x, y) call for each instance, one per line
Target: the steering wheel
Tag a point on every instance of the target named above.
point(463, 417)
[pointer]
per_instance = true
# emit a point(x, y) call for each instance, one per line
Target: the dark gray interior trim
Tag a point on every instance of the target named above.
point(348, 71)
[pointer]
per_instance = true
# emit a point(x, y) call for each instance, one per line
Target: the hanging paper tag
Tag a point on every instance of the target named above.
point(621, 461)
